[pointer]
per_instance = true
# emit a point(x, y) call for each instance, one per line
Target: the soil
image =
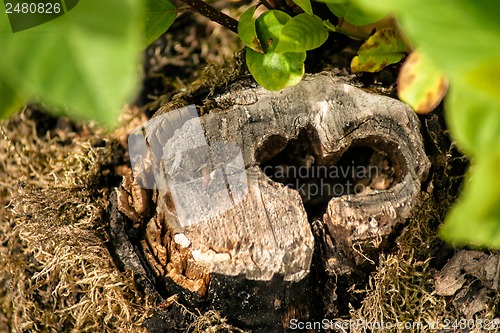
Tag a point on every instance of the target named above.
point(58, 270)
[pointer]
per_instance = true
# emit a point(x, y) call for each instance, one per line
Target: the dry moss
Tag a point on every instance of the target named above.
point(401, 290)
point(213, 78)
point(212, 322)
point(208, 322)
point(58, 275)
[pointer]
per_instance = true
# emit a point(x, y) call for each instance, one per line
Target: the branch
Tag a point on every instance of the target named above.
point(213, 14)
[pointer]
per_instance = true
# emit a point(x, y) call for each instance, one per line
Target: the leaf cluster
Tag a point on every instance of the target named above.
point(459, 42)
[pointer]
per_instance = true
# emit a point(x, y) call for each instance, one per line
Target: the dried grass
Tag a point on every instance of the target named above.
point(401, 290)
point(58, 275)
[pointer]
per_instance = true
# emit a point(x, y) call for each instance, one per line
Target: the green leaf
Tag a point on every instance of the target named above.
point(485, 77)
point(305, 5)
point(420, 83)
point(10, 102)
point(160, 14)
point(475, 219)
point(269, 26)
point(247, 30)
point(463, 39)
point(473, 118)
point(302, 33)
point(20, 21)
point(350, 11)
point(275, 71)
point(329, 26)
point(84, 62)
point(456, 34)
point(380, 50)
point(70, 4)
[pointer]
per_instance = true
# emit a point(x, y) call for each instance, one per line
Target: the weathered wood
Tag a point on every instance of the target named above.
point(246, 245)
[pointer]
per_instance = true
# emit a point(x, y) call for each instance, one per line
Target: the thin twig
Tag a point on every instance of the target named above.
point(213, 14)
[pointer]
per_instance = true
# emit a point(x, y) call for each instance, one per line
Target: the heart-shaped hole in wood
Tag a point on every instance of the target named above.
point(368, 166)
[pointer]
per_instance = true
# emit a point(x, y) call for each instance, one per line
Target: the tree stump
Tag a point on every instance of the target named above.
point(237, 192)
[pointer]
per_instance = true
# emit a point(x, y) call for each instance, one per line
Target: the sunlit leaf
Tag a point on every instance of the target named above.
point(380, 50)
point(420, 83)
point(456, 34)
point(160, 14)
point(10, 102)
point(350, 11)
point(473, 118)
point(327, 24)
point(247, 30)
point(485, 77)
point(20, 21)
point(269, 26)
point(475, 219)
point(305, 5)
point(84, 62)
point(275, 71)
point(462, 38)
point(302, 33)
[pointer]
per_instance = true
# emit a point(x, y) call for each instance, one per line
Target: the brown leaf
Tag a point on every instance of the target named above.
point(381, 49)
point(421, 84)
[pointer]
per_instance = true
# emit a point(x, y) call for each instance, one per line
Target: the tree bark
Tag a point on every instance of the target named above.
point(246, 246)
